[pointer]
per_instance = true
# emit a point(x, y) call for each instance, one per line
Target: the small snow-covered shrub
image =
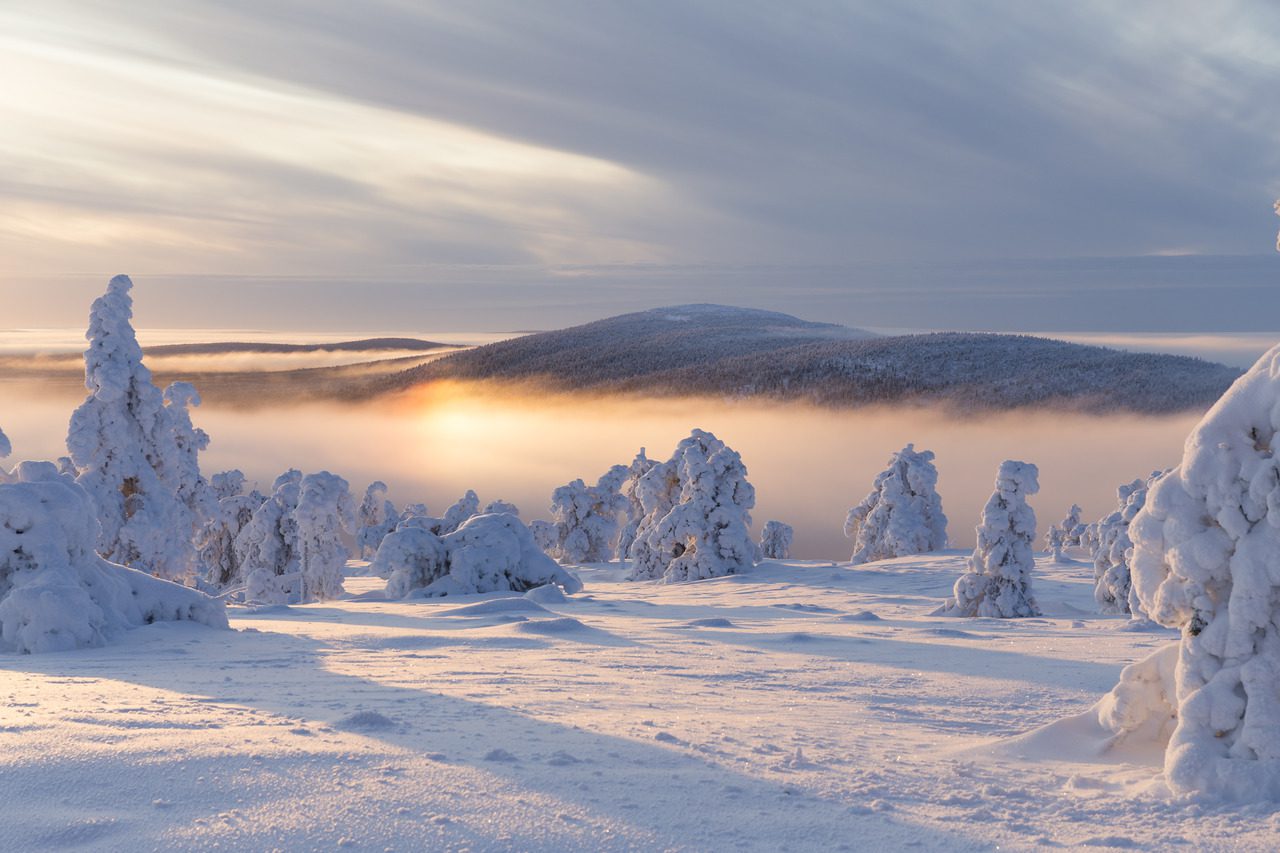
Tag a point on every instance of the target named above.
point(454, 517)
point(56, 593)
point(903, 513)
point(1143, 707)
point(547, 535)
point(998, 583)
point(489, 553)
point(1113, 586)
point(500, 507)
point(586, 517)
point(227, 484)
point(376, 518)
point(1064, 534)
point(1204, 560)
point(267, 547)
point(775, 540)
point(696, 514)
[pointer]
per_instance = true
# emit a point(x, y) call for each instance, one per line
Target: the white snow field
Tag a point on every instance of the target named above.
point(798, 706)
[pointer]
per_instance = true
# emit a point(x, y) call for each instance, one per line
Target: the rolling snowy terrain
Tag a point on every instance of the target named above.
point(799, 706)
point(717, 350)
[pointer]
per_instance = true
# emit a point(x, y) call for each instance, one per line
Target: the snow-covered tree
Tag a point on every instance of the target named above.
point(215, 541)
point(414, 510)
point(123, 442)
point(697, 510)
point(1065, 533)
point(547, 535)
point(501, 507)
point(56, 593)
point(465, 507)
point(227, 484)
point(998, 583)
point(376, 518)
point(640, 466)
point(1204, 560)
point(325, 510)
point(267, 547)
point(5, 447)
point(775, 540)
point(488, 553)
point(1113, 586)
point(903, 513)
point(586, 517)
point(193, 490)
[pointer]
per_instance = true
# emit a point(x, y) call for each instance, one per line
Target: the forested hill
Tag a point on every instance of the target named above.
point(721, 351)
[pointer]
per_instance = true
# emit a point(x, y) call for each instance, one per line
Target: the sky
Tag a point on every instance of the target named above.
point(321, 164)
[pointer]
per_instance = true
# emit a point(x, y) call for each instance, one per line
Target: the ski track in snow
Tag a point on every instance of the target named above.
point(803, 706)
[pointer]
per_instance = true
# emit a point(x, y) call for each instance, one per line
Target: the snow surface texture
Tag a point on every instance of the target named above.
point(586, 517)
point(56, 593)
point(488, 553)
point(1204, 557)
point(697, 510)
point(998, 583)
point(1113, 586)
point(903, 513)
point(135, 454)
point(799, 707)
point(775, 540)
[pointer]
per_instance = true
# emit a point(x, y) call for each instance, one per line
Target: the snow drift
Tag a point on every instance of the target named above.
point(56, 593)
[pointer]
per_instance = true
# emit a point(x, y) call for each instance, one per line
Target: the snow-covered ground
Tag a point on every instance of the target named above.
point(802, 706)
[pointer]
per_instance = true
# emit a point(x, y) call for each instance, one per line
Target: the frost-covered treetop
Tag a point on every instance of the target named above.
point(114, 358)
point(5, 447)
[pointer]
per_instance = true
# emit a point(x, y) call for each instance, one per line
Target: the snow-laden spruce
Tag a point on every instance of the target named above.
point(488, 553)
point(696, 514)
point(1065, 534)
point(586, 517)
point(324, 512)
point(903, 513)
point(1113, 586)
point(775, 540)
point(998, 583)
point(267, 547)
point(376, 518)
point(56, 593)
point(639, 466)
point(124, 440)
point(1206, 545)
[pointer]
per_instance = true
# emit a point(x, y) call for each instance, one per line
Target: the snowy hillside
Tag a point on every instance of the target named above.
point(714, 350)
point(803, 706)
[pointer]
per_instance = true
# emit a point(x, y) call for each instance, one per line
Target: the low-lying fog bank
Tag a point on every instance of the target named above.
point(809, 465)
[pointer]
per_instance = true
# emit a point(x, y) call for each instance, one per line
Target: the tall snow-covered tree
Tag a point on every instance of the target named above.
point(124, 443)
point(325, 510)
point(1113, 585)
point(376, 518)
point(586, 517)
point(1204, 560)
point(697, 512)
point(998, 583)
point(640, 466)
point(775, 540)
point(903, 513)
point(193, 490)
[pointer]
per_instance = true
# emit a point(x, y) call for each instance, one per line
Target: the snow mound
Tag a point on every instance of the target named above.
point(548, 594)
point(712, 622)
point(365, 721)
point(860, 616)
point(56, 593)
point(561, 625)
point(498, 606)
